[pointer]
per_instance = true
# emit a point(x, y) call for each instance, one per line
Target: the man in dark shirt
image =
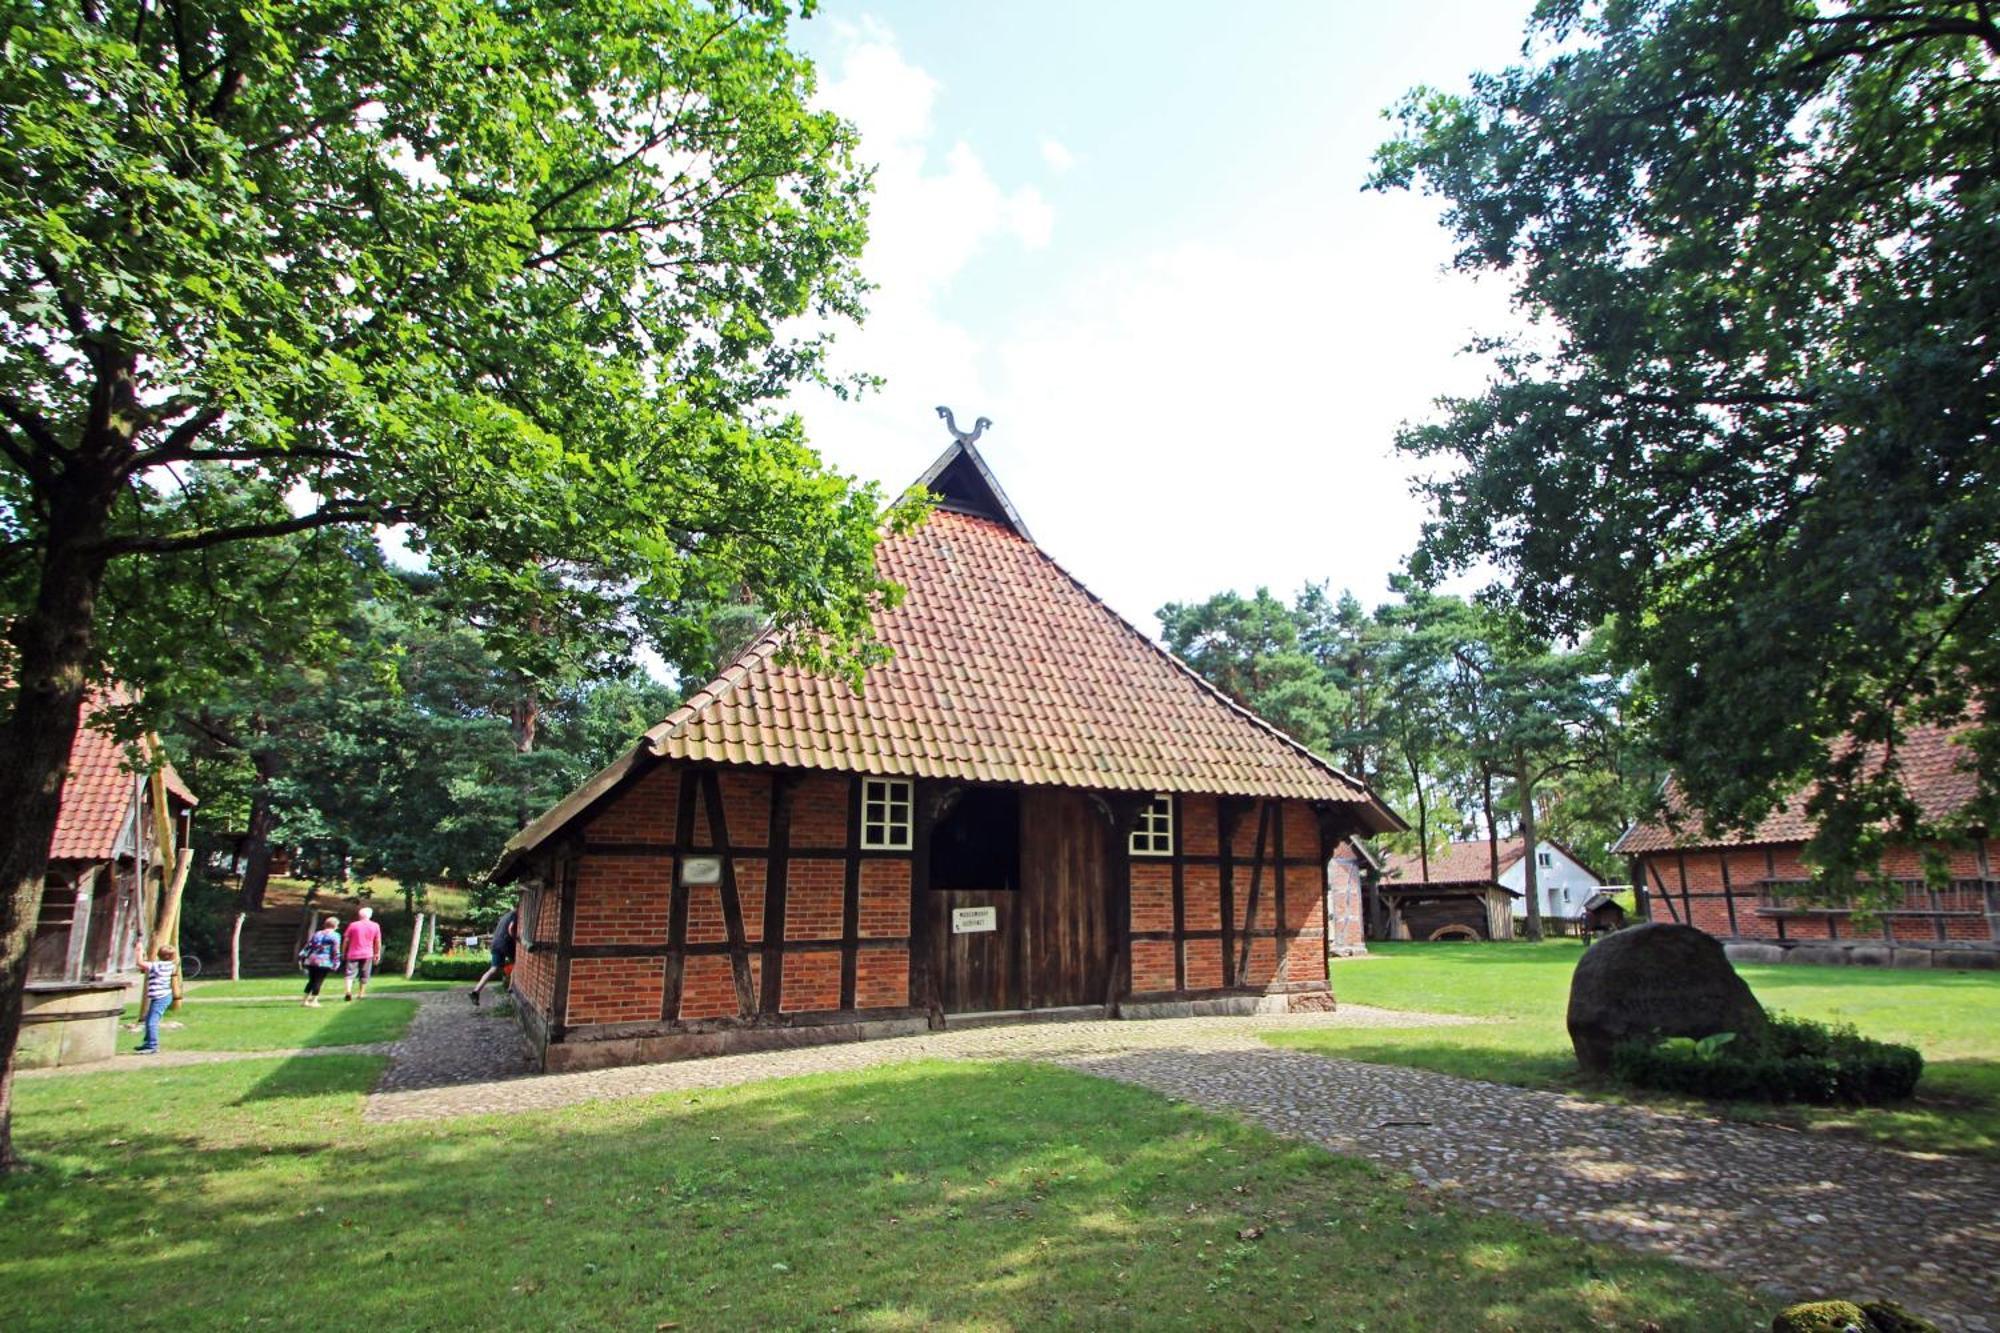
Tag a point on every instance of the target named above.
point(505, 933)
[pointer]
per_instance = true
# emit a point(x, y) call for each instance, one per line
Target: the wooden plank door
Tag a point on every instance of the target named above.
point(976, 970)
point(1065, 892)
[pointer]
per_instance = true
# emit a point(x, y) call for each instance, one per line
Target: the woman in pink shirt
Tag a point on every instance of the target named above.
point(361, 946)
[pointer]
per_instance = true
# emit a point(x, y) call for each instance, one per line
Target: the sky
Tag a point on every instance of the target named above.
point(1136, 237)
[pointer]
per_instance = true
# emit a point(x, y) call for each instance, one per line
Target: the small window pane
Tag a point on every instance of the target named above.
point(1153, 835)
point(885, 814)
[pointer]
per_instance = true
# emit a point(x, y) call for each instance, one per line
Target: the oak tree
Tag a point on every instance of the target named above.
point(521, 282)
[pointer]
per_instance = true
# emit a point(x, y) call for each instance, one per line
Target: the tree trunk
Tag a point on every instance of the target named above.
point(1533, 885)
point(256, 846)
point(53, 641)
point(1423, 822)
point(1492, 830)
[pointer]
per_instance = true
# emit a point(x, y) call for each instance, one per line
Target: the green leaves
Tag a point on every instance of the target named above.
point(1764, 241)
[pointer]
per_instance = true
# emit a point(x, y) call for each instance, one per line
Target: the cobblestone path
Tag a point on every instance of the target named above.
point(1794, 1216)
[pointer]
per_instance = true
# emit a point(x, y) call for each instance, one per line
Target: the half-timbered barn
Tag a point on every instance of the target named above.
point(1030, 807)
point(1750, 887)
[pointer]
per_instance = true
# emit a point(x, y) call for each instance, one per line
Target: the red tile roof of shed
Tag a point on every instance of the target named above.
point(1934, 772)
point(98, 790)
point(1458, 863)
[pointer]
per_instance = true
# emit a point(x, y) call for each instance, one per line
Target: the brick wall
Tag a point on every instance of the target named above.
point(1152, 897)
point(615, 990)
point(626, 898)
point(884, 899)
point(811, 981)
point(1705, 906)
point(623, 899)
point(881, 978)
point(819, 812)
point(814, 893)
point(643, 812)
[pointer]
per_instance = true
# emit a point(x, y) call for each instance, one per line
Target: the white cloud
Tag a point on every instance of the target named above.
point(1057, 155)
point(931, 214)
point(1215, 411)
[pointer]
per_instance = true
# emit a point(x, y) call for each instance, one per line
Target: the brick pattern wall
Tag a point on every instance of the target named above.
point(884, 899)
point(623, 899)
point(614, 990)
point(816, 889)
point(643, 812)
point(1152, 965)
point(811, 981)
point(1296, 953)
point(1705, 905)
point(1152, 896)
point(819, 812)
point(535, 970)
point(881, 978)
point(746, 805)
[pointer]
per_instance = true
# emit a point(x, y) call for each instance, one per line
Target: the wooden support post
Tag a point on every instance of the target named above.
point(416, 940)
point(236, 948)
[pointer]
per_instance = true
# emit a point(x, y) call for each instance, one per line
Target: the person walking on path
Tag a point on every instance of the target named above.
point(320, 955)
point(163, 983)
point(362, 945)
point(506, 934)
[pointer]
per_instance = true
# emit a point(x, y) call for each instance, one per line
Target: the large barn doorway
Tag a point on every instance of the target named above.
point(975, 908)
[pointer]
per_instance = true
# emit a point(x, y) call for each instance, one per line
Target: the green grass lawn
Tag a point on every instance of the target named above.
point(278, 1025)
point(978, 1196)
point(1952, 1017)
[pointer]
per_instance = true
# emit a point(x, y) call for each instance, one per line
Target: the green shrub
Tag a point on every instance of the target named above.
point(1796, 1061)
point(1820, 1317)
point(453, 966)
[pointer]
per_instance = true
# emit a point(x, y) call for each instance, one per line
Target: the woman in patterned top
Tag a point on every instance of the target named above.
point(161, 974)
point(320, 955)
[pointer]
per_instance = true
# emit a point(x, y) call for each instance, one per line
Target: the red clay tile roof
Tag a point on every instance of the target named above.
point(1004, 668)
point(1934, 773)
point(97, 792)
point(1456, 863)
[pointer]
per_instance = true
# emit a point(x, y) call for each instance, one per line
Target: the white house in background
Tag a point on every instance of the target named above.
point(1566, 883)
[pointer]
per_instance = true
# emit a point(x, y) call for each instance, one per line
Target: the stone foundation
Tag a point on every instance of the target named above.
point(1949, 954)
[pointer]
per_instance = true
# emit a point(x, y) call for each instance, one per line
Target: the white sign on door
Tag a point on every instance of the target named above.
point(969, 920)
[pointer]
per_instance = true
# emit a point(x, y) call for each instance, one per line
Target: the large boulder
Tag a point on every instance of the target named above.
point(1655, 980)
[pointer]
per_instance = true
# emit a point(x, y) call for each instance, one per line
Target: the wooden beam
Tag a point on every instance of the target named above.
point(1256, 883)
point(732, 902)
point(1180, 901)
point(675, 972)
point(777, 874)
point(850, 897)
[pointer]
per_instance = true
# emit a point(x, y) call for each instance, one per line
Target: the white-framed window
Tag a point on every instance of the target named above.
point(1546, 860)
point(1153, 835)
point(886, 820)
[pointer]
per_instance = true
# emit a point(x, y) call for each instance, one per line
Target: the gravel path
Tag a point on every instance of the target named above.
point(1793, 1215)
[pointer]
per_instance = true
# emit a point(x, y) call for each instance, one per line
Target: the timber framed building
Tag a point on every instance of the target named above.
point(1029, 807)
point(1748, 888)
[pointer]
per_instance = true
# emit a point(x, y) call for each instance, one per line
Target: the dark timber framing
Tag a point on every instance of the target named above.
point(701, 828)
